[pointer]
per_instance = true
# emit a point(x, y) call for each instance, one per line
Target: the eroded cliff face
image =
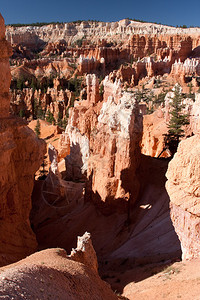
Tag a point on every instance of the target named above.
point(154, 128)
point(106, 186)
point(104, 139)
point(183, 188)
point(21, 154)
point(94, 30)
point(116, 152)
point(4, 71)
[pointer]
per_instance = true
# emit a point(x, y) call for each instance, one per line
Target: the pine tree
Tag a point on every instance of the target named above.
point(21, 113)
point(177, 120)
point(49, 117)
point(20, 83)
point(37, 128)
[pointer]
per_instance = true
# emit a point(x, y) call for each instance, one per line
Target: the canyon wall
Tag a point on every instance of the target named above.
point(92, 30)
point(21, 154)
point(183, 188)
point(99, 45)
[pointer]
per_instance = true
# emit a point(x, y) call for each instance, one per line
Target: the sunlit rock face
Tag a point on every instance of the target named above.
point(183, 188)
point(115, 150)
point(21, 154)
point(104, 139)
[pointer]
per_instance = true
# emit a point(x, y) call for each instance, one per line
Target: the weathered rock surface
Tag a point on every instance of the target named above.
point(194, 113)
point(85, 253)
point(4, 71)
point(183, 189)
point(51, 274)
point(104, 138)
point(143, 235)
point(178, 280)
point(154, 126)
point(52, 101)
point(104, 142)
point(21, 154)
point(94, 30)
point(115, 150)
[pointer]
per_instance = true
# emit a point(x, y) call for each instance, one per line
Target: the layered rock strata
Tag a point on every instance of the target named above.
point(21, 154)
point(70, 32)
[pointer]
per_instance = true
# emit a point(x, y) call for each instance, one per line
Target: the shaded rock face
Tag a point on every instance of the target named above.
point(52, 274)
point(146, 235)
point(183, 188)
point(21, 154)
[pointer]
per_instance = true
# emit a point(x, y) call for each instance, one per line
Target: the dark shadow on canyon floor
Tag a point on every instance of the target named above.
point(123, 248)
point(151, 241)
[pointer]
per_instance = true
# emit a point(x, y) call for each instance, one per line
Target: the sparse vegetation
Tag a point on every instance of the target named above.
point(37, 24)
point(21, 113)
point(101, 90)
point(50, 118)
point(74, 85)
point(37, 128)
point(177, 120)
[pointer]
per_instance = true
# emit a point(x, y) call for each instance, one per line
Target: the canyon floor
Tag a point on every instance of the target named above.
point(180, 280)
point(48, 275)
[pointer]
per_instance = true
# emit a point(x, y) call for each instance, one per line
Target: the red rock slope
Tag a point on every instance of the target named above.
point(51, 274)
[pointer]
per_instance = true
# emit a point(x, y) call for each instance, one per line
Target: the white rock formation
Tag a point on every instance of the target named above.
point(85, 252)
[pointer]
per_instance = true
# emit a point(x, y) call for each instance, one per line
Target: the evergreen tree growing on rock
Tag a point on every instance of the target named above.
point(50, 118)
point(177, 120)
point(37, 128)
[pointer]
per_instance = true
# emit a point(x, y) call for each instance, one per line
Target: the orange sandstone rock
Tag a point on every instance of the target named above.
point(183, 188)
point(154, 127)
point(4, 71)
point(21, 154)
point(104, 143)
point(52, 274)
